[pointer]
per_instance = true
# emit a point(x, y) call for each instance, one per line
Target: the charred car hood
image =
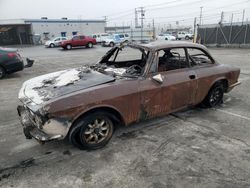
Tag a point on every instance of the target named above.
point(43, 88)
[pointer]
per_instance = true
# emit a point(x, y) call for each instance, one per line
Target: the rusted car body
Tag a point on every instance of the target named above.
point(129, 91)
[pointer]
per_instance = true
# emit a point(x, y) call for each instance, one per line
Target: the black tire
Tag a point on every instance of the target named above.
point(87, 134)
point(52, 45)
point(214, 96)
point(166, 38)
point(187, 38)
point(111, 44)
point(2, 72)
point(68, 47)
point(90, 45)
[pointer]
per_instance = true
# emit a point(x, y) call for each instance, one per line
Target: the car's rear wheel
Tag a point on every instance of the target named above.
point(111, 44)
point(68, 46)
point(187, 37)
point(90, 45)
point(2, 72)
point(52, 45)
point(92, 131)
point(214, 96)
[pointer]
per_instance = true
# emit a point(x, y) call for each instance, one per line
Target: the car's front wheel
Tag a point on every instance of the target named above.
point(214, 96)
point(2, 72)
point(92, 131)
point(187, 38)
point(52, 45)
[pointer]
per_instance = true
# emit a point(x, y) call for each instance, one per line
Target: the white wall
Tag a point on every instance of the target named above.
point(55, 28)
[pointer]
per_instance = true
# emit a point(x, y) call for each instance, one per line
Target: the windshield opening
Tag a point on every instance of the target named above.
point(125, 61)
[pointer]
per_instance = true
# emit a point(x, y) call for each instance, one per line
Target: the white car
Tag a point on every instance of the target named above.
point(55, 42)
point(99, 37)
point(165, 37)
point(124, 37)
point(112, 40)
point(184, 35)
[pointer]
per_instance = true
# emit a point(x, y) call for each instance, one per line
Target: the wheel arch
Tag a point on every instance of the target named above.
point(115, 114)
point(222, 80)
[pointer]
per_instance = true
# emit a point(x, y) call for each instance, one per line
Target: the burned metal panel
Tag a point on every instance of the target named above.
point(120, 95)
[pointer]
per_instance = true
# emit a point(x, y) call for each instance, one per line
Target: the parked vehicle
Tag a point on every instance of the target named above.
point(184, 35)
point(55, 42)
point(78, 40)
point(10, 61)
point(124, 37)
point(112, 40)
point(165, 37)
point(130, 83)
point(100, 37)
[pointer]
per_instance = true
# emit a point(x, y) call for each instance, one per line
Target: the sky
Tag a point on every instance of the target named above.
point(166, 13)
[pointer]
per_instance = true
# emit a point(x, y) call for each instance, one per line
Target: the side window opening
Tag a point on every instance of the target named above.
point(172, 59)
point(198, 57)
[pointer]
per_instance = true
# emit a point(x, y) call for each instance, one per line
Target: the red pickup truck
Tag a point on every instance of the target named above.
point(79, 40)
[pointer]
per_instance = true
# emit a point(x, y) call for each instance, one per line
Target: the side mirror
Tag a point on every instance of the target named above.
point(158, 78)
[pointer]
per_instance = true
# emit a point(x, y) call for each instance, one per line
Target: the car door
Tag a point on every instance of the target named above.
point(56, 41)
point(75, 41)
point(205, 68)
point(175, 90)
point(83, 41)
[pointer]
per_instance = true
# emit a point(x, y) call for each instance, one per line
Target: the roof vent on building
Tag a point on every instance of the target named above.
point(44, 18)
point(64, 18)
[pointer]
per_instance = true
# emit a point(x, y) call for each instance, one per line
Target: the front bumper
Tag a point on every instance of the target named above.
point(32, 130)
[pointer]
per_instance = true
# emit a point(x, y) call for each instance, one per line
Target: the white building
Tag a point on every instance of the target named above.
point(30, 31)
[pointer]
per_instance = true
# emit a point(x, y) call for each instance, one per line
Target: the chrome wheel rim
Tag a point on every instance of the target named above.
point(97, 131)
point(90, 45)
point(215, 97)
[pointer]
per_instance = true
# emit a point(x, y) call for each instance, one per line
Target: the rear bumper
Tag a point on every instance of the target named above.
point(233, 85)
point(14, 66)
point(31, 130)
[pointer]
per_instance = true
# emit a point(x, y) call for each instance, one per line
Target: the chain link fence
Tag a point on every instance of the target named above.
point(231, 34)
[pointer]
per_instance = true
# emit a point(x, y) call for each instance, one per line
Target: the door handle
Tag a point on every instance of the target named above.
point(192, 76)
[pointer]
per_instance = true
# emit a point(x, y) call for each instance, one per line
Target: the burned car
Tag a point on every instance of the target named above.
point(130, 83)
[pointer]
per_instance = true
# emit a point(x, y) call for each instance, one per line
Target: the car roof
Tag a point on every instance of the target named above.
point(157, 45)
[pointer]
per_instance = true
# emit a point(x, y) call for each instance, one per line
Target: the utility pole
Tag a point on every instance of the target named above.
point(221, 17)
point(136, 19)
point(200, 15)
point(243, 16)
point(153, 29)
point(105, 19)
point(142, 11)
point(195, 32)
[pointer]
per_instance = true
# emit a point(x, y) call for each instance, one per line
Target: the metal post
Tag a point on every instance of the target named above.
point(230, 33)
point(216, 35)
point(205, 31)
point(245, 37)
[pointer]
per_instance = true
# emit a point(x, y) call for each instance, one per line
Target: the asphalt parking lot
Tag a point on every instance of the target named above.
point(194, 148)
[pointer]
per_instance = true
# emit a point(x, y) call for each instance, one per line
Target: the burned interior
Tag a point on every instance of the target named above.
point(123, 61)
